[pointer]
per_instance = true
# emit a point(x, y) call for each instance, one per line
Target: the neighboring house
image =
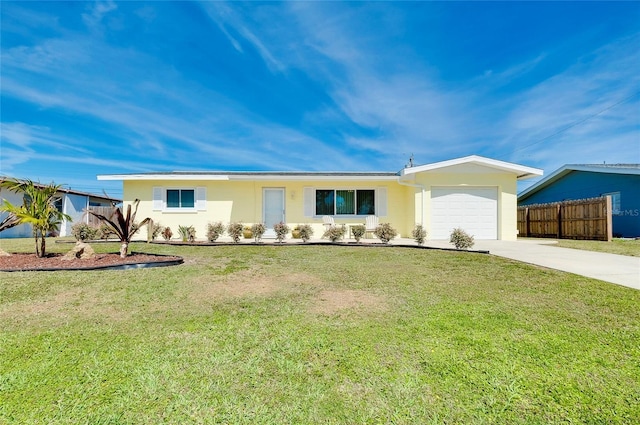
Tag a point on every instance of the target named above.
point(476, 193)
point(71, 202)
point(571, 182)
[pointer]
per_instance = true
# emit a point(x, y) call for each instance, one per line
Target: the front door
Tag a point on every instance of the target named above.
point(272, 209)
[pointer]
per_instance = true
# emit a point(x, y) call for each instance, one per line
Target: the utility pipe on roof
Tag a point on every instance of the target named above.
point(422, 189)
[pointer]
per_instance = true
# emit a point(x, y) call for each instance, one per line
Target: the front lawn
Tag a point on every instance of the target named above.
point(316, 334)
point(629, 247)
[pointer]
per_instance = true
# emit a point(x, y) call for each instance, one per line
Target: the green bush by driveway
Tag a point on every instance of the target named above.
point(316, 334)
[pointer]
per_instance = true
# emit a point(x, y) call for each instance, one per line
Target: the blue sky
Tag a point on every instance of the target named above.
point(94, 88)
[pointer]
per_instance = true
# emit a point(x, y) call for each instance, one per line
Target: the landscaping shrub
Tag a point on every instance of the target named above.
point(84, 232)
point(246, 232)
point(334, 233)
point(281, 230)
point(461, 239)
point(235, 231)
point(358, 231)
point(105, 232)
point(123, 225)
point(258, 230)
point(385, 232)
point(214, 231)
point(154, 230)
point(187, 233)
point(419, 234)
point(306, 231)
point(167, 233)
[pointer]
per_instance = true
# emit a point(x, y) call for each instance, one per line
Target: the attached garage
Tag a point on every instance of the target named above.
point(474, 209)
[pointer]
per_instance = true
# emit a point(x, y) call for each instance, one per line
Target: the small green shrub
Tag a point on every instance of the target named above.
point(166, 233)
point(84, 232)
point(358, 231)
point(385, 232)
point(214, 231)
point(153, 230)
point(281, 230)
point(306, 231)
point(258, 230)
point(461, 239)
point(105, 232)
point(246, 232)
point(187, 233)
point(235, 231)
point(334, 233)
point(419, 234)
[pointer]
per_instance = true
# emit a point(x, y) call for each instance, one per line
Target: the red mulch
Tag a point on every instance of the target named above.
point(21, 261)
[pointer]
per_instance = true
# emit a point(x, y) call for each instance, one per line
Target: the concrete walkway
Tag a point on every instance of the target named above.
point(619, 269)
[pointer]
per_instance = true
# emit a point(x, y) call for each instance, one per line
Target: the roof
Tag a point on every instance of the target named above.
point(568, 168)
point(471, 163)
point(252, 175)
point(70, 191)
point(474, 163)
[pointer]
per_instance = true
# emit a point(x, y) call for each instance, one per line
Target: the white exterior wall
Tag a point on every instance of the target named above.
point(21, 230)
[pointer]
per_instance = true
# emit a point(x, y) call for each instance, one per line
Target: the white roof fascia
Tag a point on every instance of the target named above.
point(313, 177)
point(566, 169)
point(247, 177)
point(522, 171)
point(162, 177)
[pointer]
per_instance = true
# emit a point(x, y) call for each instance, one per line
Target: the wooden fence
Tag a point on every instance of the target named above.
point(582, 219)
point(106, 211)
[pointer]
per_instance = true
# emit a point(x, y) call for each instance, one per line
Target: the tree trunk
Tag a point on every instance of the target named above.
point(35, 236)
point(43, 245)
point(123, 249)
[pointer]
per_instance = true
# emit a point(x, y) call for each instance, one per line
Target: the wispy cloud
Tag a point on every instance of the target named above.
point(363, 96)
point(96, 13)
point(229, 19)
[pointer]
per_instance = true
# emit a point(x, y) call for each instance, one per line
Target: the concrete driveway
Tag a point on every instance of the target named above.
point(618, 269)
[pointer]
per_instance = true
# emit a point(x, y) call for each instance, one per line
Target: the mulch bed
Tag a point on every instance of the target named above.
point(30, 262)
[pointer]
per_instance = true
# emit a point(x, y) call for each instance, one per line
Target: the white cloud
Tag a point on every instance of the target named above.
point(97, 11)
point(571, 116)
point(229, 19)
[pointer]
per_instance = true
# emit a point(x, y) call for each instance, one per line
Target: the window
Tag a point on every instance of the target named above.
point(177, 199)
point(180, 198)
point(345, 202)
point(615, 202)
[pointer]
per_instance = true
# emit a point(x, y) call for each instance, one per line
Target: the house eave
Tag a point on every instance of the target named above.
point(522, 172)
point(566, 169)
point(248, 176)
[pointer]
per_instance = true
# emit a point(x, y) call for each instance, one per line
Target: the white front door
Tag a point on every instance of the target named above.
point(272, 209)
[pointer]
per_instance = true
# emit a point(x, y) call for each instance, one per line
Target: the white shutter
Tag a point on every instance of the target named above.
point(158, 198)
point(309, 201)
point(201, 198)
point(381, 202)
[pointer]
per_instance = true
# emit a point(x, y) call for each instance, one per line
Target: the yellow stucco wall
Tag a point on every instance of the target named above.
point(241, 201)
point(506, 183)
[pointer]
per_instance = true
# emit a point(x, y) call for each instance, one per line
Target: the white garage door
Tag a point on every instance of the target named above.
point(473, 209)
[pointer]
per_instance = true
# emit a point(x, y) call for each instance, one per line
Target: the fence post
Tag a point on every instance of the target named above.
point(609, 219)
point(559, 215)
point(527, 228)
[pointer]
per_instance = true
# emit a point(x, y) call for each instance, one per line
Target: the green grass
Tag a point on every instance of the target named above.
point(616, 246)
point(316, 334)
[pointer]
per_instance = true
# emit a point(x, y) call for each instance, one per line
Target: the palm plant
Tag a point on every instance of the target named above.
point(37, 209)
point(124, 226)
point(9, 221)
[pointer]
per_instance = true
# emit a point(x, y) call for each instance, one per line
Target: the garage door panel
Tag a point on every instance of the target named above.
point(473, 209)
